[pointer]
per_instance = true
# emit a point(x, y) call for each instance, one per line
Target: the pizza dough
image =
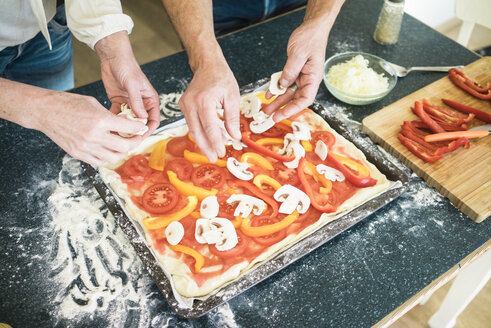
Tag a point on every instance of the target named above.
point(179, 270)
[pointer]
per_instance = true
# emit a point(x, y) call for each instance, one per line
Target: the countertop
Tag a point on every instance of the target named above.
point(354, 280)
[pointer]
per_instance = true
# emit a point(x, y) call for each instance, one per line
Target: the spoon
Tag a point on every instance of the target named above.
point(403, 71)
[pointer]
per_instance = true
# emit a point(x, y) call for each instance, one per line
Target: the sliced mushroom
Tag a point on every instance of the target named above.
point(239, 169)
point(298, 152)
point(274, 85)
point(247, 204)
point(292, 199)
point(236, 144)
point(127, 112)
point(209, 207)
point(227, 237)
point(288, 141)
point(261, 123)
point(202, 226)
point(321, 149)
point(249, 105)
point(301, 131)
point(330, 172)
point(174, 232)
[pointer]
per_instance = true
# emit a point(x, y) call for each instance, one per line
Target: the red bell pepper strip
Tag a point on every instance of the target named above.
point(452, 115)
point(418, 109)
point(466, 84)
point(256, 192)
point(357, 180)
point(483, 116)
point(416, 135)
point(264, 150)
point(418, 150)
point(447, 127)
point(327, 208)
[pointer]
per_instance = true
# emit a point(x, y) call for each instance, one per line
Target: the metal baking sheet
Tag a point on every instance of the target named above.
point(280, 260)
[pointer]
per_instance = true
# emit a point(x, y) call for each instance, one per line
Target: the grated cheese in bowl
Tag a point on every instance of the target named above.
point(357, 78)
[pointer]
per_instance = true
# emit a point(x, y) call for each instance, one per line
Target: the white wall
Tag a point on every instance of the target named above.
point(431, 12)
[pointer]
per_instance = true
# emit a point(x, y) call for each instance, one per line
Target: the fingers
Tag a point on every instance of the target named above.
point(291, 71)
point(119, 144)
point(232, 116)
point(211, 127)
point(153, 109)
point(121, 124)
point(303, 98)
point(279, 102)
point(135, 95)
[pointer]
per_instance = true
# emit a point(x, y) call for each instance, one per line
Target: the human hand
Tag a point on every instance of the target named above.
point(125, 82)
point(212, 87)
point(83, 128)
point(306, 53)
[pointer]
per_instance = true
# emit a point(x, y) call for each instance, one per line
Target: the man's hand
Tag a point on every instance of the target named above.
point(306, 52)
point(213, 87)
point(125, 82)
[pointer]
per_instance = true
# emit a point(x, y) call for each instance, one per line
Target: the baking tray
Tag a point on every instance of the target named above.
point(280, 260)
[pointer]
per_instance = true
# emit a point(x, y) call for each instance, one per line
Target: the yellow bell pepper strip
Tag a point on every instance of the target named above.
point(163, 221)
point(268, 229)
point(237, 222)
point(319, 177)
point(191, 138)
point(270, 141)
point(195, 214)
point(287, 122)
point(354, 165)
point(261, 179)
point(327, 208)
point(307, 145)
point(256, 159)
point(157, 157)
point(189, 189)
point(201, 159)
point(262, 98)
point(265, 151)
point(200, 260)
point(359, 180)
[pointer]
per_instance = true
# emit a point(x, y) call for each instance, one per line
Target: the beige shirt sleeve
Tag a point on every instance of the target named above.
point(93, 20)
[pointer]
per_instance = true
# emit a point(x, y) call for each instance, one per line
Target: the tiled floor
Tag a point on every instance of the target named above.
point(154, 37)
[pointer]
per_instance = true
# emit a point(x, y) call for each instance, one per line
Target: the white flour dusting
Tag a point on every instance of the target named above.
point(169, 105)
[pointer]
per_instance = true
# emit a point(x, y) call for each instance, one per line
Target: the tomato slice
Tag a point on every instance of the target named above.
point(271, 239)
point(238, 250)
point(225, 209)
point(137, 168)
point(284, 175)
point(182, 167)
point(177, 145)
point(244, 124)
point(327, 137)
point(231, 152)
point(160, 198)
point(208, 176)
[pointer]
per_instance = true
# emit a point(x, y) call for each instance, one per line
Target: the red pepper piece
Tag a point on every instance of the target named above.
point(466, 84)
point(433, 126)
point(417, 135)
point(447, 127)
point(453, 145)
point(357, 180)
point(256, 192)
point(447, 115)
point(483, 116)
point(327, 208)
point(264, 150)
point(419, 150)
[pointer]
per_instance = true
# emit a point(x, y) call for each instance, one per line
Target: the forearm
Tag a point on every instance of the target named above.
point(117, 44)
point(23, 104)
point(323, 12)
point(193, 20)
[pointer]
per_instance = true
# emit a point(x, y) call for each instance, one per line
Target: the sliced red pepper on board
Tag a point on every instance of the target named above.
point(483, 116)
point(449, 114)
point(327, 208)
point(410, 132)
point(447, 127)
point(256, 192)
point(264, 150)
point(465, 83)
point(418, 150)
point(432, 125)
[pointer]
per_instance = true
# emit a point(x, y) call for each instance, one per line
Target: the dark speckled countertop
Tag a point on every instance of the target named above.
point(354, 280)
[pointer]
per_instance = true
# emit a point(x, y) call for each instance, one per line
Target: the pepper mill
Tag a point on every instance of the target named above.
point(389, 22)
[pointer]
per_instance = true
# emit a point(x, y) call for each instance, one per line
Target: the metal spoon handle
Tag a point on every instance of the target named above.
point(434, 68)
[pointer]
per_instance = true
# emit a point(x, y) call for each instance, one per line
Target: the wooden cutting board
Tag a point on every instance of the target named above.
point(464, 176)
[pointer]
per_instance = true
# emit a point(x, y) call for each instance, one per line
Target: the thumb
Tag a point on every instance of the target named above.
point(291, 70)
point(136, 102)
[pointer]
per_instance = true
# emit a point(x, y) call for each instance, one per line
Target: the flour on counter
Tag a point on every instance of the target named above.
point(169, 105)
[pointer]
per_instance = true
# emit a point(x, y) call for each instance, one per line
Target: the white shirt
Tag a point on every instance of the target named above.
point(88, 20)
